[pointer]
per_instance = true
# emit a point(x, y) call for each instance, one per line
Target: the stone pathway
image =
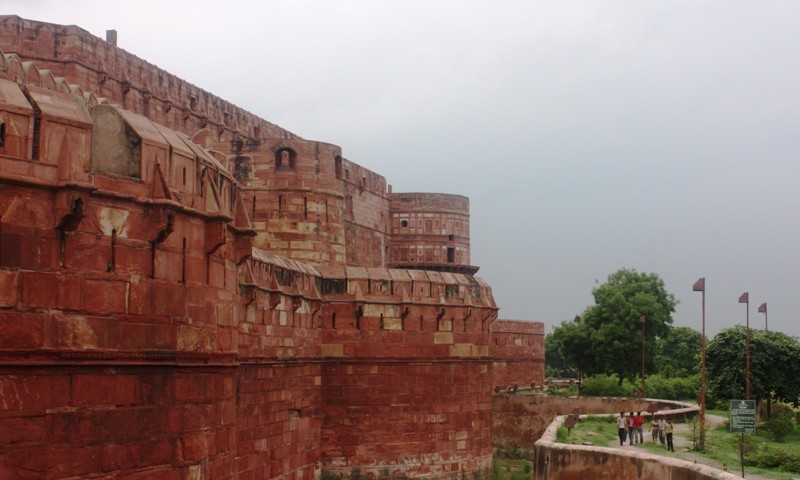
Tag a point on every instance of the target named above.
point(683, 448)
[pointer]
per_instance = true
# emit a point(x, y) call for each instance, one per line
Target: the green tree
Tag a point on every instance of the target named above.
point(678, 353)
point(774, 366)
point(557, 362)
point(609, 338)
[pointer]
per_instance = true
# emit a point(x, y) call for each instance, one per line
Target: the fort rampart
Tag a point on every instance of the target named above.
point(190, 292)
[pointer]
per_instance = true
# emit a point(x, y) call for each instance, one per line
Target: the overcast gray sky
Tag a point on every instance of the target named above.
point(589, 135)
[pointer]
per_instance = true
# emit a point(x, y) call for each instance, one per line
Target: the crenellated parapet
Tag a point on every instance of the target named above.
point(66, 51)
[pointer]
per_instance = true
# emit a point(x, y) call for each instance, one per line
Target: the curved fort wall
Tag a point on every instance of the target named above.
point(430, 230)
point(169, 310)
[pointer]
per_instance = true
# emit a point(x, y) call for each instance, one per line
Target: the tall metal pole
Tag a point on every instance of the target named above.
point(763, 309)
point(700, 286)
point(745, 298)
point(577, 321)
point(642, 321)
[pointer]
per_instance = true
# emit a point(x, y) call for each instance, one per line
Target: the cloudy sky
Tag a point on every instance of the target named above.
point(589, 135)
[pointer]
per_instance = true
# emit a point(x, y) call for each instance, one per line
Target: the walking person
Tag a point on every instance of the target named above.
point(638, 424)
point(654, 428)
point(621, 428)
point(631, 429)
point(662, 425)
point(668, 429)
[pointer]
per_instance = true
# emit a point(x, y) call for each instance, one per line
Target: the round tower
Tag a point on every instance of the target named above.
point(430, 231)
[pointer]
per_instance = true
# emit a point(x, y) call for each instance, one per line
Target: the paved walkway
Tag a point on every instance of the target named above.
point(683, 448)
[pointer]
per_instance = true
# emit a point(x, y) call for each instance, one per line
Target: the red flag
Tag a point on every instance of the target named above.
point(762, 308)
point(700, 285)
point(745, 298)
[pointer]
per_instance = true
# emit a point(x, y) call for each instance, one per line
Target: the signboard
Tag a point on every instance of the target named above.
point(743, 416)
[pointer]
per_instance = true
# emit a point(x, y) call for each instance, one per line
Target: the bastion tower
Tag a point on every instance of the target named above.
point(188, 291)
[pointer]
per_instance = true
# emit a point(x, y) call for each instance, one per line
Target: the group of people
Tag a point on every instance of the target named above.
point(631, 428)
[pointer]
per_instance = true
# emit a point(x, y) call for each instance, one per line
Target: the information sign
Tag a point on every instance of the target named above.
point(743, 416)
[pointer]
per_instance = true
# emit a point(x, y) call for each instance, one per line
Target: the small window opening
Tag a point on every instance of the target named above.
point(338, 166)
point(2, 134)
point(404, 223)
point(285, 159)
point(451, 255)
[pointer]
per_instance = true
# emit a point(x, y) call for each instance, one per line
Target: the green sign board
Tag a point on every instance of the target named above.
point(743, 416)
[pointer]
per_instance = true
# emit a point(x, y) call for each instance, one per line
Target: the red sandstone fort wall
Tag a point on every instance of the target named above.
point(518, 351)
point(142, 335)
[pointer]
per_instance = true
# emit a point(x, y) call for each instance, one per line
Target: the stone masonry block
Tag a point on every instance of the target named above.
point(443, 338)
point(18, 330)
point(8, 288)
point(332, 350)
point(51, 290)
point(104, 296)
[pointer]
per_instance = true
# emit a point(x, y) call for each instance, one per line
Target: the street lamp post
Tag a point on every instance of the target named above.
point(577, 321)
point(763, 309)
point(642, 321)
point(700, 286)
point(745, 298)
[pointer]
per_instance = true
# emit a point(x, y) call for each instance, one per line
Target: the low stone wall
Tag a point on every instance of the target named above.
point(521, 419)
point(561, 461)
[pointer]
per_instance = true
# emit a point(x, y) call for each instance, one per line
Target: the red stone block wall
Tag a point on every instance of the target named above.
point(420, 419)
point(518, 351)
point(79, 419)
point(278, 420)
point(406, 375)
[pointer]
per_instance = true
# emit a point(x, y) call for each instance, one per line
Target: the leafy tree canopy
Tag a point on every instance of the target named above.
point(774, 365)
point(557, 362)
point(678, 353)
point(609, 338)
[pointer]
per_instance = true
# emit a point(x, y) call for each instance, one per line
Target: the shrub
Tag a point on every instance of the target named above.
point(775, 458)
point(562, 435)
point(780, 427)
point(602, 385)
point(679, 388)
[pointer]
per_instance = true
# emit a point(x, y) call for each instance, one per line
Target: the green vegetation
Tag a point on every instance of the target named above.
point(678, 353)
point(512, 463)
point(658, 386)
point(774, 360)
point(599, 430)
point(601, 343)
